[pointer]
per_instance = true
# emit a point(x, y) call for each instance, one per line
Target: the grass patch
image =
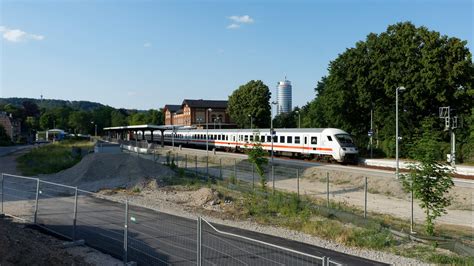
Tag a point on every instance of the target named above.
point(52, 158)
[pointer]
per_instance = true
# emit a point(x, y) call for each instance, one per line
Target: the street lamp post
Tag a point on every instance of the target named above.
point(299, 118)
point(397, 171)
point(251, 121)
point(271, 128)
point(207, 130)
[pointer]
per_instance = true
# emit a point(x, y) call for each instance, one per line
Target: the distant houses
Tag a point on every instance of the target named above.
point(11, 125)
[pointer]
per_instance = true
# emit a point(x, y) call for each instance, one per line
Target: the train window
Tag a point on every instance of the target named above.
point(246, 138)
point(314, 140)
point(269, 139)
point(275, 139)
point(297, 140)
point(233, 138)
point(329, 138)
point(251, 138)
point(289, 139)
point(257, 138)
point(282, 139)
point(215, 136)
point(262, 138)
point(219, 137)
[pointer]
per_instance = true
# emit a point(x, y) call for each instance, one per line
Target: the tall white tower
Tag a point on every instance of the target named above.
point(284, 97)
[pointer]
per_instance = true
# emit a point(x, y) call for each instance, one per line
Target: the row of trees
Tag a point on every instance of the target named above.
point(81, 121)
point(436, 71)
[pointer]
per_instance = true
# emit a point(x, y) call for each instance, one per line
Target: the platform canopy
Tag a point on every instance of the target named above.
point(143, 128)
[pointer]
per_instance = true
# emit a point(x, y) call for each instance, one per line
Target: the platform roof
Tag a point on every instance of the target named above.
point(143, 127)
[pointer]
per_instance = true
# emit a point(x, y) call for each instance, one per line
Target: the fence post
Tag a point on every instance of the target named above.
point(220, 168)
point(273, 179)
point(74, 217)
point(125, 235)
point(298, 183)
point(207, 166)
point(325, 261)
point(3, 177)
point(235, 168)
point(185, 161)
point(36, 200)
point(327, 189)
point(365, 203)
point(253, 176)
point(196, 165)
point(199, 244)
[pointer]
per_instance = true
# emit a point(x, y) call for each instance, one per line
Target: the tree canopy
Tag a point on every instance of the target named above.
point(435, 69)
point(250, 100)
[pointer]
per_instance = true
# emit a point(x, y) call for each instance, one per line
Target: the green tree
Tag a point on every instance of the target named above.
point(251, 99)
point(436, 70)
point(118, 118)
point(80, 122)
point(430, 180)
point(46, 120)
point(138, 118)
point(256, 155)
point(287, 120)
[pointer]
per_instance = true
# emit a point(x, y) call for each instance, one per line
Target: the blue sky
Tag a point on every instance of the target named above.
point(144, 54)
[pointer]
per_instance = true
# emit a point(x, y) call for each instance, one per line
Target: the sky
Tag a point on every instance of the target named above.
point(144, 54)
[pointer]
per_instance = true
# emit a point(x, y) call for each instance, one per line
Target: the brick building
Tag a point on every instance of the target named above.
point(193, 113)
point(11, 125)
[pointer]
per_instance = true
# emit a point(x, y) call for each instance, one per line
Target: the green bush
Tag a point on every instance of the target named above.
point(49, 159)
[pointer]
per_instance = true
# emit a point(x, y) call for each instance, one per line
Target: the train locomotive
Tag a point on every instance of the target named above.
point(330, 144)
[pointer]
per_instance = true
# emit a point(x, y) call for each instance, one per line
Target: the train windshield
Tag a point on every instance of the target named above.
point(345, 140)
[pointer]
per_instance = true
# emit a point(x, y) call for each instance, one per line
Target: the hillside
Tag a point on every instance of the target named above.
point(52, 103)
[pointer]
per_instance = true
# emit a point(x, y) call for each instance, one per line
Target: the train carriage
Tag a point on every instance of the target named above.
point(321, 143)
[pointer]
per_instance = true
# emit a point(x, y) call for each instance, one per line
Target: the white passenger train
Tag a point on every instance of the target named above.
point(320, 143)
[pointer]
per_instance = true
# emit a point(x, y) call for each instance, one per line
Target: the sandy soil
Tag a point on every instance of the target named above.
point(20, 245)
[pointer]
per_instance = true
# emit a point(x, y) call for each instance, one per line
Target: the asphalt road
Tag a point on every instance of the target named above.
point(11, 149)
point(156, 238)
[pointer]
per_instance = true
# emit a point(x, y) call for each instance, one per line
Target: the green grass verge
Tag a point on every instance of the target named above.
point(52, 158)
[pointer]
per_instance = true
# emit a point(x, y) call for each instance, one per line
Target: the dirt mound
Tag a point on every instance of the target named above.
point(100, 171)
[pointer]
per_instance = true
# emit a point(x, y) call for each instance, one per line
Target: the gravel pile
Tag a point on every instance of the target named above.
point(101, 171)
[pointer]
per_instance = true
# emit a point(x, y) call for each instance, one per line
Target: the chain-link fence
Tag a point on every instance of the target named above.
point(135, 233)
point(352, 197)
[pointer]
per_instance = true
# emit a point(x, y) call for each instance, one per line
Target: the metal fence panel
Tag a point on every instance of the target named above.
point(100, 222)
point(18, 196)
point(156, 238)
point(222, 248)
point(56, 208)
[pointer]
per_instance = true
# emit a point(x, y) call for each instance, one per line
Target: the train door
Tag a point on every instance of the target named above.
point(306, 142)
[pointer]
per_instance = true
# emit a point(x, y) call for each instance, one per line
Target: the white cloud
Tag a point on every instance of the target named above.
point(17, 35)
point(242, 19)
point(147, 44)
point(233, 26)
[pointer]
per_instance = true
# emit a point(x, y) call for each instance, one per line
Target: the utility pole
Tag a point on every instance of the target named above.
point(371, 133)
point(397, 170)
